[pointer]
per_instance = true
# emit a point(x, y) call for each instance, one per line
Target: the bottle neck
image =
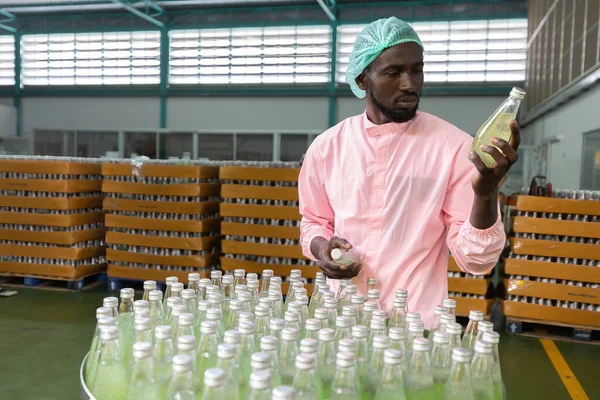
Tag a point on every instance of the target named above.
point(142, 369)
point(420, 362)
point(163, 350)
point(110, 352)
point(460, 372)
point(126, 306)
point(143, 336)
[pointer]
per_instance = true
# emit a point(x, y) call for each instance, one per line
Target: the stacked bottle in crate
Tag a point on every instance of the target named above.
point(261, 222)
point(51, 219)
point(553, 270)
point(471, 292)
point(162, 218)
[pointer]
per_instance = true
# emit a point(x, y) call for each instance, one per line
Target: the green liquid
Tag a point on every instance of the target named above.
point(110, 382)
point(435, 392)
point(498, 391)
point(90, 365)
point(390, 393)
point(143, 390)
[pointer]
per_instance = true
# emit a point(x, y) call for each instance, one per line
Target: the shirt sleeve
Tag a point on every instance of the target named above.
point(316, 211)
point(476, 251)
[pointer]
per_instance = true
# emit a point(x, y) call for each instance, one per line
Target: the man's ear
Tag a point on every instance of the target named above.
point(361, 81)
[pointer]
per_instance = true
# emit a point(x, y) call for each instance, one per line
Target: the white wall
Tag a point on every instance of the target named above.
point(568, 123)
point(8, 117)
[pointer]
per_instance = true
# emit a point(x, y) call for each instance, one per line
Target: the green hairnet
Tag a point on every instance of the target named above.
point(372, 41)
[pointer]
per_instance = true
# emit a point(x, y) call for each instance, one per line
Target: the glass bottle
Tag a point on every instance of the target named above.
point(176, 311)
point(226, 362)
point(245, 299)
point(403, 294)
point(419, 381)
point(349, 291)
point(482, 371)
point(450, 304)
point(185, 326)
point(260, 361)
point(316, 300)
point(292, 319)
point(203, 307)
point(142, 385)
point(454, 330)
point(215, 278)
point(239, 277)
point(347, 345)
point(468, 341)
point(202, 285)
point(441, 360)
point(360, 335)
point(235, 308)
point(303, 300)
point(140, 307)
point(342, 329)
point(187, 345)
point(142, 333)
point(261, 313)
point(206, 352)
point(410, 317)
point(350, 313)
point(344, 385)
point(283, 393)
point(215, 316)
point(253, 289)
point(216, 302)
point(173, 301)
point(246, 349)
point(288, 350)
point(368, 308)
point(125, 320)
point(373, 296)
point(234, 338)
point(398, 317)
point(110, 380)
point(331, 306)
point(266, 276)
point(482, 327)
point(498, 125)
point(189, 301)
point(375, 367)
point(494, 339)
point(227, 292)
point(163, 357)
point(358, 303)
point(276, 325)
point(322, 314)
point(309, 346)
point(445, 319)
point(459, 385)
point(415, 330)
point(435, 326)
point(194, 284)
point(391, 384)
point(214, 384)
point(295, 283)
point(269, 345)
point(260, 386)
point(103, 318)
point(326, 360)
point(169, 281)
point(372, 284)
point(304, 381)
point(148, 287)
point(276, 302)
point(377, 329)
point(181, 386)
point(176, 289)
point(246, 317)
point(156, 308)
point(312, 328)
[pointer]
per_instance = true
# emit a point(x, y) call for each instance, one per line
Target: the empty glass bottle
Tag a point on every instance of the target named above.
point(203, 307)
point(253, 289)
point(142, 385)
point(235, 309)
point(288, 350)
point(344, 385)
point(435, 326)
point(202, 285)
point(176, 311)
point(187, 345)
point(172, 301)
point(269, 345)
point(169, 281)
point(482, 327)
point(156, 309)
point(304, 381)
point(375, 368)
point(276, 302)
point(358, 303)
point(194, 283)
point(226, 361)
point(316, 300)
point(454, 330)
point(214, 384)
point(377, 329)
point(185, 326)
point(441, 360)
point(234, 338)
point(309, 346)
point(398, 317)
point(215, 316)
point(468, 341)
point(419, 381)
point(403, 294)
point(445, 319)
point(410, 317)
point(494, 339)
point(368, 309)
point(372, 283)
point(331, 306)
point(322, 315)
point(482, 368)
point(266, 276)
point(189, 301)
point(391, 385)
point(148, 287)
point(227, 292)
point(239, 276)
point(450, 304)
point(110, 380)
point(326, 360)
point(260, 385)
point(350, 313)
point(261, 314)
point(312, 328)
point(215, 278)
point(342, 329)
point(459, 386)
point(206, 352)
point(181, 386)
point(292, 319)
point(163, 357)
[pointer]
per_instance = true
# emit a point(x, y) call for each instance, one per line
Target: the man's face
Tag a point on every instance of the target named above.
point(394, 80)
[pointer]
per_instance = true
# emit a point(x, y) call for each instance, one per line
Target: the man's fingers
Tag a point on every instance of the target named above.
point(507, 149)
point(474, 158)
point(340, 242)
point(515, 135)
point(501, 160)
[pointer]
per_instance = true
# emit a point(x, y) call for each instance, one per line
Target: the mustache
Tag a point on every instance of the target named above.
point(407, 96)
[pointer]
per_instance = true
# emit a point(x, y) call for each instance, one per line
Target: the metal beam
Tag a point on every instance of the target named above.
point(330, 14)
point(139, 13)
point(8, 28)
point(8, 15)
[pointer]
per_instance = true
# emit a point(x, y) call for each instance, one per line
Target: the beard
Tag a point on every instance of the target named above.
point(398, 116)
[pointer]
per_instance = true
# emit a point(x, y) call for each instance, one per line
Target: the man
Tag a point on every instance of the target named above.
point(398, 186)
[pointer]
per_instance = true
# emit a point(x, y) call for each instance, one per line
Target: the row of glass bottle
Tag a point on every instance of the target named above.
point(358, 336)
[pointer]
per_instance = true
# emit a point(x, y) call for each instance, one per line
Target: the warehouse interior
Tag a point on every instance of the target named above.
point(231, 94)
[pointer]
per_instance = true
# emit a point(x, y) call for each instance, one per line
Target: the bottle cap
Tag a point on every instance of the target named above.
point(300, 298)
point(381, 342)
point(216, 274)
point(439, 310)
point(277, 280)
point(517, 93)
point(447, 318)
point(214, 377)
point(252, 283)
point(171, 301)
point(141, 304)
point(460, 354)
point(421, 344)
point(483, 347)
point(243, 297)
point(260, 361)
point(262, 311)
point(372, 281)
point(268, 343)
point(109, 332)
point(348, 345)
point(330, 303)
point(357, 299)
point(454, 328)
point(342, 322)
point(155, 295)
point(241, 288)
point(141, 312)
point(103, 312)
point(267, 273)
point(399, 302)
point(348, 311)
point(441, 338)
point(227, 280)
point(274, 295)
point(485, 326)
point(235, 305)
point(252, 277)
point(232, 337)
point(305, 361)
point(171, 279)
point(142, 323)
point(320, 275)
point(290, 315)
point(360, 332)
point(112, 302)
point(401, 293)
point(188, 294)
point(193, 277)
point(379, 314)
point(289, 334)
point(203, 305)
point(308, 345)
point(260, 379)
point(246, 316)
point(265, 301)
point(345, 359)
point(149, 285)
point(214, 314)
point(396, 333)
point(413, 317)
point(392, 356)
point(106, 321)
point(239, 273)
point(215, 298)
point(176, 287)
point(225, 351)
point(491, 337)
point(321, 313)
point(204, 282)
point(212, 289)
point(313, 324)
point(163, 332)
point(177, 310)
point(336, 254)
point(208, 327)
point(350, 288)
point(475, 315)
point(326, 334)
point(373, 294)
point(416, 327)
point(186, 343)
point(283, 393)
point(142, 350)
point(377, 323)
point(370, 306)
point(449, 304)
point(246, 327)
point(276, 324)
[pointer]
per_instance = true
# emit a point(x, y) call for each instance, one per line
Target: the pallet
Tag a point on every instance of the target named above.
point(552, 330)
point(57, 283)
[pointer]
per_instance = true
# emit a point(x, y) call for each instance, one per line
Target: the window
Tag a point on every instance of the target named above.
point(7, 60)
point(274, 55)
point(459, 51)
point(110, 58)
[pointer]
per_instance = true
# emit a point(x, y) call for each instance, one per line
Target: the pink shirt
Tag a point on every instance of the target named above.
point(401, 195)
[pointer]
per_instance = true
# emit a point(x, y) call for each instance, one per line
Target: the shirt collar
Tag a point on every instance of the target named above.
point(385, 129)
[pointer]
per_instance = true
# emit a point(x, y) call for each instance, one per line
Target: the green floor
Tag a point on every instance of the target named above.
point(45, 334)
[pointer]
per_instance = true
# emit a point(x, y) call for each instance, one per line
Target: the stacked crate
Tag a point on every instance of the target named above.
point(51, 219)
point(553, 271)
point(162, 219)
point(261, 221)
point(471, 292)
